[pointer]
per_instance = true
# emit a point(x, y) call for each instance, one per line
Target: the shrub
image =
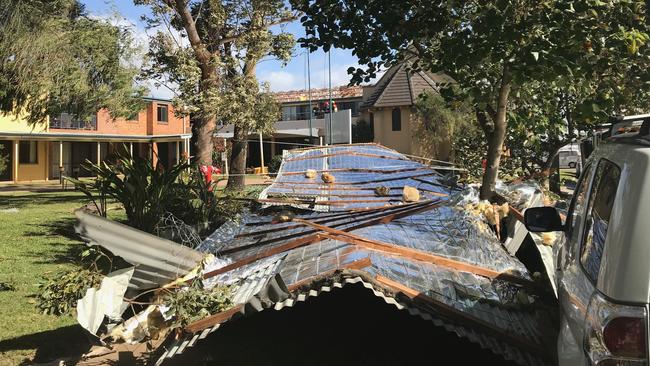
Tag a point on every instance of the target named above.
point(4, 158)
point(149, 194)
point(274, 164)
point(143, 190)
point(362, 131)
point(59, 295)
point(193, 303)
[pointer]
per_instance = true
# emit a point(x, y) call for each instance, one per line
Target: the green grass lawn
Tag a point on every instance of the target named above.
point(36, 240)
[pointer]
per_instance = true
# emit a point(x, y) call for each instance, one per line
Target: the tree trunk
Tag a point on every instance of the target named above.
point(496, 139)
point(203, 129)
point(237, 180)
point(549, 166)
point(204, 126)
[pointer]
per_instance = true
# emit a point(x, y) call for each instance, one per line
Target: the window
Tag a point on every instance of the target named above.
point(28, 152)
point(397, 120)
point(162, 113)
point(599, 210)
point(577, 210)
point(352, 106)
point(295, 112)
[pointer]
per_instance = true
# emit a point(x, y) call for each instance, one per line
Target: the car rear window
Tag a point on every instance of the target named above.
point(599, 210)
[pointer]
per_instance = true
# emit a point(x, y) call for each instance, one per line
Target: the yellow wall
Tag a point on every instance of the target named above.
point(11, 123)
point(384, 134)
point(29, 172)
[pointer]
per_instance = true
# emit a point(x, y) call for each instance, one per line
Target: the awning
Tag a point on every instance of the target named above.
point(90, 137)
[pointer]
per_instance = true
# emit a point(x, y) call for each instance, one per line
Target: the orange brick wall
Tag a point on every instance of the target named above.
point(145, 124)
point(173, 127)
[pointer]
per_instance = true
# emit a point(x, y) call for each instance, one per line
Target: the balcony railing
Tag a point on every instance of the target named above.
point(68, 124)
point(299, 116)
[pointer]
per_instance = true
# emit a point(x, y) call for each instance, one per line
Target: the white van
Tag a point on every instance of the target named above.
point(569, 156)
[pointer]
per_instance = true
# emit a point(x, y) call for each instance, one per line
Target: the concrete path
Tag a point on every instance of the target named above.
point(54, 185)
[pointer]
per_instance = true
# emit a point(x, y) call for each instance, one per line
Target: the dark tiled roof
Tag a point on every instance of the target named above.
point(400, 86)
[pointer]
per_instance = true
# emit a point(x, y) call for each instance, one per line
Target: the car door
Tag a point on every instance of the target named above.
point(573, 291)
point(585, 245)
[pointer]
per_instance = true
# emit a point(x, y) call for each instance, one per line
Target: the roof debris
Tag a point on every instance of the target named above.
point(384, 220)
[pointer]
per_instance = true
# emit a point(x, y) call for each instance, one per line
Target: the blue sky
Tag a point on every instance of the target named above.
point(281, 78)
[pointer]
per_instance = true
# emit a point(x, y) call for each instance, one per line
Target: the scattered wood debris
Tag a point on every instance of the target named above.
point(382, 191)
point(310, 174)
point(410, 194)
point(328, 178)
point(283, 216)
point(548, 238)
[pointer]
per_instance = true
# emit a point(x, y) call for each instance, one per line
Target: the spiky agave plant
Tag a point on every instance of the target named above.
point(143, 190)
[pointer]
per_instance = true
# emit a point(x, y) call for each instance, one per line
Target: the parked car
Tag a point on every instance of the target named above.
point(603, 260)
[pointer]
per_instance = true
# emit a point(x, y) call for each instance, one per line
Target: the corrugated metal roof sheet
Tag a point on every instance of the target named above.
point(158, 261)
point(497, 346)
point(431, 258)
point(492, 311)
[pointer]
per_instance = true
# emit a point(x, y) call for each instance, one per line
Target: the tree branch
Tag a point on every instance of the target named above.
point(482, 122)
point(189, 24)
point(234, 37)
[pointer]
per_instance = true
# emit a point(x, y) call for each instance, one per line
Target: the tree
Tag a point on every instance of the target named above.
point(549, 115)
point(488, 48)
point(362, 131)
point(54, 59)
point(215, 73)
point(436, 125)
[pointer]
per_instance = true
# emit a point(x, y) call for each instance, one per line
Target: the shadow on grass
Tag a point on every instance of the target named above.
point(24, 200)
point(67, 341)
point(63, 227)
point(63, 251)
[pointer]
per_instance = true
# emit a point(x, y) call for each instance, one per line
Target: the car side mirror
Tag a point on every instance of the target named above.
point(543, 219)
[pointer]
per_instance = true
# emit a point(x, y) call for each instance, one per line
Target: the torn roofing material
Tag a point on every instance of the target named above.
point(157, 261)
point(429, 257)
point(358, 171)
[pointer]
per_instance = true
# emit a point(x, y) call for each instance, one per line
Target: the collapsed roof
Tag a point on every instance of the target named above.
point(430, 257)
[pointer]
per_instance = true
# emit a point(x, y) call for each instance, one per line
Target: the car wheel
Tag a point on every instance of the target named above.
point(572, 165)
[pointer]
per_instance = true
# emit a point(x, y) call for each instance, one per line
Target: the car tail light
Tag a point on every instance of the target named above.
point(615, 334)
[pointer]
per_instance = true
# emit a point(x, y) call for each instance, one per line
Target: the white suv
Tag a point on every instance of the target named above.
point(603, 261)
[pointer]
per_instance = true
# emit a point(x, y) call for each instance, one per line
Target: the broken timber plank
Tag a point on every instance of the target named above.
point(314, 238)
point(360, 170)
point(382, 216)
point(326, 203)
point(212, 320)
point(516, 213)
point(416, 254)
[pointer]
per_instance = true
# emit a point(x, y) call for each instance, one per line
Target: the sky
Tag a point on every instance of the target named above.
point(293, 76)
